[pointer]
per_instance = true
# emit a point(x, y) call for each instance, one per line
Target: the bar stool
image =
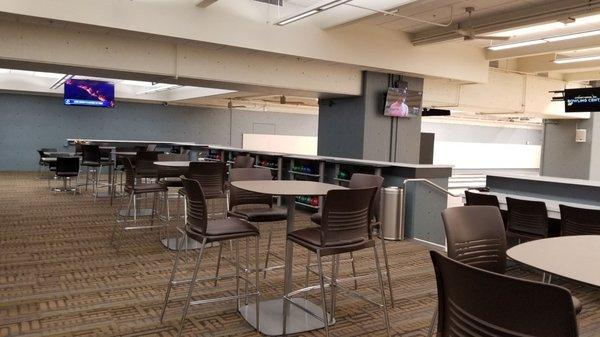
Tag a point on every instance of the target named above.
point(92, 160)
point(527, 220)
point(254, 207)
point(134, 189)
point(66, 169)
point(211, 176)
point(243, 161)
point(345, 227)
point(361, 180)
point(43, 161)
point(579, 221)
point(199, 228)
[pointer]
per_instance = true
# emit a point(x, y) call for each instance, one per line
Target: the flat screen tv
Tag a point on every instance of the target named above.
point(582, 100)
point(403, 103)
point(89, 93)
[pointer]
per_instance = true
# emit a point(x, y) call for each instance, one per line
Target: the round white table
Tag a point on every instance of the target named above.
point(271, 311)
point(573, 257)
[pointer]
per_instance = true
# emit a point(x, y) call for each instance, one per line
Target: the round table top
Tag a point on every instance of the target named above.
point(574, 257)
point(173, 163)
point(286, 187)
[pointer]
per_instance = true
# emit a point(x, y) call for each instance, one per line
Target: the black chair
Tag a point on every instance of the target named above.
point(579, 221)
point(134, 189)
point(527, 220)
point(345, 227)
point(242, 161)
point(477, 302)
point(170, 175)
point(199, 228)
point(254, 207)
point(481, 199)
point(66, 169)
point(361, 180)
point(93, 161)
point(144, 164)
point(44, 160)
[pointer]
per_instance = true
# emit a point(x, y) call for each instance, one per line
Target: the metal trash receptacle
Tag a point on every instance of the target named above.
point(392, 213)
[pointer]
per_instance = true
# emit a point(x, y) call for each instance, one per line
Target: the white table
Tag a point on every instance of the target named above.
point(573, 257)
point(271, 311)
point(173, 163)
point(551, 205)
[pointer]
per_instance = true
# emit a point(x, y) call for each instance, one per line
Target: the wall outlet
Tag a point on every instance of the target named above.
point(580, 135)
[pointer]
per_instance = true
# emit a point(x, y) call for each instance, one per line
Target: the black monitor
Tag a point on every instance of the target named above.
point(582, 100)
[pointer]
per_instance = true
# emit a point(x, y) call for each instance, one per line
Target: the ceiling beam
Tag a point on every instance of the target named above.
point(205, 3)
point(543, 63)
point(545, 48)
point(527, 15)
point(582, 76)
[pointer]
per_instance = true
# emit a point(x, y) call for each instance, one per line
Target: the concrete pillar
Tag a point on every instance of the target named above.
point(355, 127)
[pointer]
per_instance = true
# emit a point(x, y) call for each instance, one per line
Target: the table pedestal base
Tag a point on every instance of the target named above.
point(271, 317)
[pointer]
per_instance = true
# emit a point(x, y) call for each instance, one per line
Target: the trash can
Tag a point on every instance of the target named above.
point(392, 213)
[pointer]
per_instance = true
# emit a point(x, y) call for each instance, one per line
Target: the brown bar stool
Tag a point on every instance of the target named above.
point(579, 221)
point(361, 180)
point(243, 161)
point(66, 169)
point(477, 302)
point(483, 199)
point(254, 207)
point(345, 227)
point(134, 189)
point(475, 236)
point(199, 228)
point(527, 220)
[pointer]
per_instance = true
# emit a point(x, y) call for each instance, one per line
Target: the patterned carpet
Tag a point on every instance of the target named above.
point(59, 276)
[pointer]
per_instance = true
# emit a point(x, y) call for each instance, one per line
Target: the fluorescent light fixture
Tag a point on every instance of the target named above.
point(572, 36)
point(517, 44)
point(312, 10)
point(136, 83)
point(158, 87)
point(577, 59)
point(48, 75)
point(530, 30)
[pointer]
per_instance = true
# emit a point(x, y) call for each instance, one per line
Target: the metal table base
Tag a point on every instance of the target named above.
point(271, 317)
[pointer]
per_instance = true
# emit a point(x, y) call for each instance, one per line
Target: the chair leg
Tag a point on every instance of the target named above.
point(218, 263)
point(237, 271)
point(171, 279)
point(87, 177)
point(432, 325)
point(322, 287)
point(112, 237)
point(257, 280)
point(335, 264)
point(307, 276)
point(387, 270)
point(268, 250)
point(246, 270)
point(386, 318)
point(191, 289)
point(287, 279)
point(353, 270)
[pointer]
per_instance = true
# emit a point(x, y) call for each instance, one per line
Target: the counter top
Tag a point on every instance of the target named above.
point(548, 179)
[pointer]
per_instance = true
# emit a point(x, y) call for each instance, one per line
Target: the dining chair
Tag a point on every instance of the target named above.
point(579, 221)
point(243, 161)
point(361, 180)
point(201, 229)
point(67, 168)
point(527, 219)
point(93, 161)
point(476, 302)
point(345, 227)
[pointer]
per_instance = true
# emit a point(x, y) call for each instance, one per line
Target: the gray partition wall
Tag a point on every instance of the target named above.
point(29, 122)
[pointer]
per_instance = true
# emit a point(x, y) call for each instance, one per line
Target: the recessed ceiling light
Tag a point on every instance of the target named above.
point(577, 59)
point(517, 44)
point(158, 87)
point(312, 10)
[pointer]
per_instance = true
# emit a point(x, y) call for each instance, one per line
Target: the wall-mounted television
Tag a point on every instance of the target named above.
point(403, 103)
point(89, 93)
point(582, 100)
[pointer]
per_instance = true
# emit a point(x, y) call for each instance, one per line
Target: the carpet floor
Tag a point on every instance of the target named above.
point(60, 276)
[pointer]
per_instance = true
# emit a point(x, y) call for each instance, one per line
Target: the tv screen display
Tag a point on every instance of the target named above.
point(582, 100)
point(401, 102)
point(89, 93)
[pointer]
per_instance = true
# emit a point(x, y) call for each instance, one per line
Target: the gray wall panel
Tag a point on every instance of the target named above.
point(446, 132)
point(341, 126)
point(29, 122)
point(561, 155)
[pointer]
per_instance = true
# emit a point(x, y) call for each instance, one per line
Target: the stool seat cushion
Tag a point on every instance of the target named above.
point(310, 238)
point(224, 229)
point(260, 214)
point(146, 188)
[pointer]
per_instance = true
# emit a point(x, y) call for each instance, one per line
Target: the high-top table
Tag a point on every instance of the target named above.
point(574, 257)
point(271, 311)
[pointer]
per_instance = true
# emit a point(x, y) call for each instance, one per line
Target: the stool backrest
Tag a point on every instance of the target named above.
point(361, 180)
point(526, 216)
point(172, 157)
point(481, 199)
point(91, 153)
point(197, 215)
point(165, 171)
point(475, 236)
point(210, 175)
point(238, 196)
point(67, 166)
point(347, 216)
point(241, 161)
point(579, 221)
point(476, 302)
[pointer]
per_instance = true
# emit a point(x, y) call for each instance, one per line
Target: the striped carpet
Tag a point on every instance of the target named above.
point(59, 276)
